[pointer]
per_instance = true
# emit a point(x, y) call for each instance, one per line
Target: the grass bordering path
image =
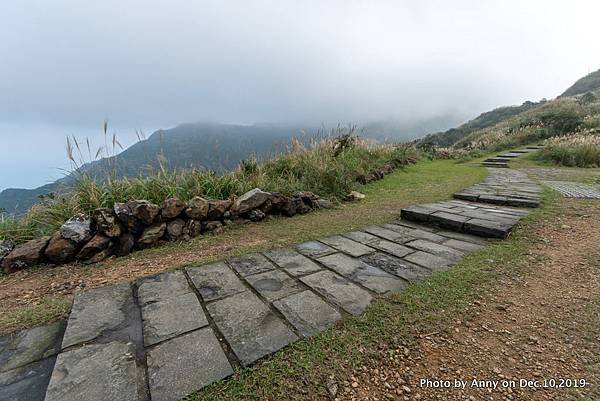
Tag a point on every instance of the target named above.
point(25, 296)
point(300, 372)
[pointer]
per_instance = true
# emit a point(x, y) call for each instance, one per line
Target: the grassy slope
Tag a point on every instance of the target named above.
point(301, 371)
point(425, 181)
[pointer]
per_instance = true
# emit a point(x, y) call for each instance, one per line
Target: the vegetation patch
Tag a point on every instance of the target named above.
point(578, 150)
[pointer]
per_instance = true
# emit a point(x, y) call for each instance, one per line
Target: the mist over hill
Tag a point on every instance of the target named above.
point(211, 146)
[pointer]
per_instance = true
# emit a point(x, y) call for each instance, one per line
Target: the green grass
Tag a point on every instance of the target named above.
point(300, 371)
point(46, 311)
point(329, 168)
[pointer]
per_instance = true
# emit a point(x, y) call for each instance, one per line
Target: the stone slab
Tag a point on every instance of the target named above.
point(384, 245)
point(293, 262)
point(26, 383)
point(488, 228)
point(160, 286)
point(273, 285)
point(415, 233)
point(170, 317)
point(97, 311)
point(215, 281)
point(339, 291)
point(449, 220)
point(462, 245)
point(249, 326)
point(185, 364)
point(95, 372)
point(307, 312)
point(388, 234)
point(433, 262)
point(314, 249)
point(396, 266)
point(347, 245)
point(436, 249)
point(359, 272)
point(252, 263)
point(30, 345)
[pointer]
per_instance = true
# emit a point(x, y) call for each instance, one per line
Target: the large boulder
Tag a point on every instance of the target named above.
point(172, 208)
point(151, 235)
point(217, 209)
point(61, 250)
point(175, 229)
point(251, 200)
point(78, 229)
point(107, 222)
point(198, 208)
point(126, 217)
point(25, 255)
point(144, 211)
point(97, 244)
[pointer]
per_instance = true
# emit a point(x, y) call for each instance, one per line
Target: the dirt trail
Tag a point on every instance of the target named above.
point(544, 324)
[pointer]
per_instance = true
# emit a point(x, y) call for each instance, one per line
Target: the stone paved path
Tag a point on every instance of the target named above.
point(571, 189)
point(166, 336)
point(501, 161)
point(503, 187)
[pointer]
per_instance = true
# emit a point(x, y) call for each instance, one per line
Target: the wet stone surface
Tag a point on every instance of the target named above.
point(359, 272)
point(314, 249)
point(170, 317)
point(396, 266)
point(96, 312)
point(339, 291)
point(307, 312)
point(293, 262)
point(96, 372)
point(180, 366)
point(274, 284)
point(251, 264)
point(250, 327)
point(215, 281)
point(347, 246)
point(26, 383)
point(27, 346)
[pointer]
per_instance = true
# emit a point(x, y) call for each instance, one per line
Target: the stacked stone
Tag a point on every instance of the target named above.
point(139, 224)
point(387, 168)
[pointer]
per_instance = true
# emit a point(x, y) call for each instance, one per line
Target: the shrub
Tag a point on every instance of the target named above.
point(578, 150)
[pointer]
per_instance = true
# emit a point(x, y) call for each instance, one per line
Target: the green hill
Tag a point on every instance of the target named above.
point(589, 83)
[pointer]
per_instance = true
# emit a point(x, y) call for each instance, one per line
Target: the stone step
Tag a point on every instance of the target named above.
point(498, 159)
point(471, 218)
point(495, 164)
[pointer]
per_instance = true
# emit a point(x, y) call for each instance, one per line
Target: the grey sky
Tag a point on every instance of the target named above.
point(68, 65)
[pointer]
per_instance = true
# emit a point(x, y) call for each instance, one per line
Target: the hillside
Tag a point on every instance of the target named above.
point(589, 83)
point(484, 120)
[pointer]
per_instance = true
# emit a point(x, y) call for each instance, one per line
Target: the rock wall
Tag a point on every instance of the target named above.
point(139, 224)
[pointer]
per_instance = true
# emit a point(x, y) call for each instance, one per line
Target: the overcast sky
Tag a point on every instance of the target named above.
point(66, 66)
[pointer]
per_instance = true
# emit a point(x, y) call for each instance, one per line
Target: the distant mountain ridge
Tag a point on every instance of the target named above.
point(212, 146)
